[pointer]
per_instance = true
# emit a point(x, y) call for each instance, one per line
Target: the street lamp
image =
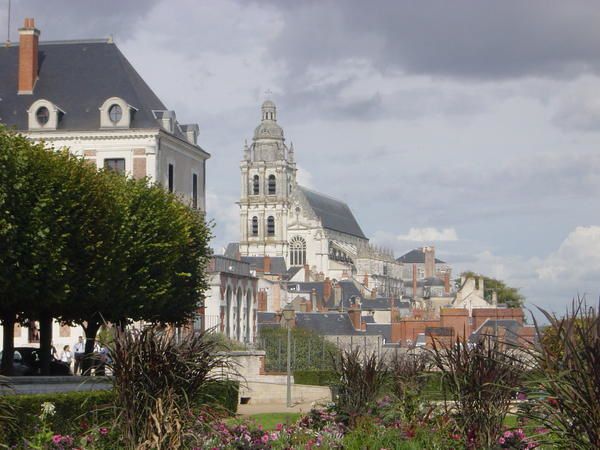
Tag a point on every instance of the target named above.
point(288, 315)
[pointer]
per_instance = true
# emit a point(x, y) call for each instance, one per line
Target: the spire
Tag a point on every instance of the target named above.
point(246, 150)
point(291, 152)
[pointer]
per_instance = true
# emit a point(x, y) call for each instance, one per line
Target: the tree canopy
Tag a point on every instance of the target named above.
point(506, 294)
point(86, 246)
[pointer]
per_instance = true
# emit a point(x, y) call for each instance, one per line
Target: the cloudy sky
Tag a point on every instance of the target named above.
point(473, 127)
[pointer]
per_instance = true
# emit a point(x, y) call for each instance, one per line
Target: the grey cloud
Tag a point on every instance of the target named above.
point(460, 39)
point(81, 19)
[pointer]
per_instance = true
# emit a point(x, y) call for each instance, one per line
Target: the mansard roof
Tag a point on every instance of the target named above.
point(416, 256)
point(78, 76)
point(334, 214)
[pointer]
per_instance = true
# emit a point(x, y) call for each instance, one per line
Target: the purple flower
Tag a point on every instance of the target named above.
point(56, 439)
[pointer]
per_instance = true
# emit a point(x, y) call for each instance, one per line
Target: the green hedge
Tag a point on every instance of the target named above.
point(314, 377)
point(91, 408)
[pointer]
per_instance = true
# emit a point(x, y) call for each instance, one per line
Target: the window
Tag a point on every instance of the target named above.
point(195, 191)
point(297, 251)
point(115, 114)
point(255, 226)
point(42, 115)
point(115, 164)
point(170, 177)
point(270, 226)
point(272, 185)
point(256, 185)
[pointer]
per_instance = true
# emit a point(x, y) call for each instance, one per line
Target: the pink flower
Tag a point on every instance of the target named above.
point(501, 441)
point(265, 438)
point(103, 431)
point(279, 427)
point(56, 439)
point(508, 434)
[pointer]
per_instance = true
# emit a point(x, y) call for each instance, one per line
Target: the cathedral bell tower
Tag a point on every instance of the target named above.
point(268, 175)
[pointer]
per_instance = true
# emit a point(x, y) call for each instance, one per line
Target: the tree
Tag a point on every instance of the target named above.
point(506, 294)
point(32, 242)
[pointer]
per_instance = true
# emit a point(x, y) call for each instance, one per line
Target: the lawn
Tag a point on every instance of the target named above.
point(269, 421)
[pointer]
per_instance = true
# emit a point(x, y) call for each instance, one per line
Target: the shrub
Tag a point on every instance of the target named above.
point(408, 380)
point(314, 377)
point(156, 377)
point(73, 410)
point(360, 379)
point(567, 388)
point(480, 379)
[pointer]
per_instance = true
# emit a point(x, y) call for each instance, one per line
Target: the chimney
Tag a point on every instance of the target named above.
point(326, 289)
point(366, 280)
point(414, 283)
point(313, 299)
point(354, 313)
point(29, 37)
point(494, 298)
point(267, 264)
point(429, 261)
point(337, 295)
point(306, 273)
point(481, 287)
point(446, 283)
point(374, 292)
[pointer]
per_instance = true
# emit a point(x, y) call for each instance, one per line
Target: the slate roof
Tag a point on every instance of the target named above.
point(327, 324)
point(382, 303)
point(278, 265)
point(232, 250)
point(416, 256)
point(292, 271)
point(78, 77)
point(439, 331)
point(381, 329)
point(334, 214)
point(367, 319)
point(507, 328)
point(431, 281)
point(265, 317)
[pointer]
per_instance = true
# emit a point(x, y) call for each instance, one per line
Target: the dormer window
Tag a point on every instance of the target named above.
point(115, 113)
point(42, 115)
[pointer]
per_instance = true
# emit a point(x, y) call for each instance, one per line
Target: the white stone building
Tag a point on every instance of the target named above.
point(86, 96)
point(318, 236)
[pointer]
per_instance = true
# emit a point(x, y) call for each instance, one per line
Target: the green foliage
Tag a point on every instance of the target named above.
point(408, 380)
point(566, 388)
point(315, 377)
point(309, 350)
point(222, 395)
point(72, 410)
point(506, 294)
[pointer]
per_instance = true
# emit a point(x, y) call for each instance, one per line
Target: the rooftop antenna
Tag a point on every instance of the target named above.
point(8, 26)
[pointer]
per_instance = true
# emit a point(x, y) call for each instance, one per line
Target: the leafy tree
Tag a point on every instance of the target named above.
point(506, 294)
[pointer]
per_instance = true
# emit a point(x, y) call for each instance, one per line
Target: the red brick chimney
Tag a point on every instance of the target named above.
point(326, 289)
point(267, 264)
point(354, 313)
point(28, 56)
point(414, 283)
point(446, 283)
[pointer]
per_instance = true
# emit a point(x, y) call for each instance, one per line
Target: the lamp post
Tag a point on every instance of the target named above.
point(288, 315)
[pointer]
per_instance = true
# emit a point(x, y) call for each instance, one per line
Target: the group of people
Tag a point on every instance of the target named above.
point(76, 356)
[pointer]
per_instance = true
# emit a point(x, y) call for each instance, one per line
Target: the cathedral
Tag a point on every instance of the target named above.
point(314, 233)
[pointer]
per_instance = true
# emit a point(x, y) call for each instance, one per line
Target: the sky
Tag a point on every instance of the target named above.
point(471, 126)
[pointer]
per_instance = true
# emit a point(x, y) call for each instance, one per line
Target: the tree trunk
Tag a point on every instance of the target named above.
point(45, 343)
point(91, 330)
point(8, 344)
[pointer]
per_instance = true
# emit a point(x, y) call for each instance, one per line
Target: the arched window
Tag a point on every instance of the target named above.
point(270, 226)
point(272, 185)
point(255, 226)
point(255, 185)
point(297, 251)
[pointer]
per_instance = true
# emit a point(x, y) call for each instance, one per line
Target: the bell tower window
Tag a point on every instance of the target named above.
point(297, 251)
point(270, 226)
point(256, 185)
point(272, 185)
point(255, 226)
